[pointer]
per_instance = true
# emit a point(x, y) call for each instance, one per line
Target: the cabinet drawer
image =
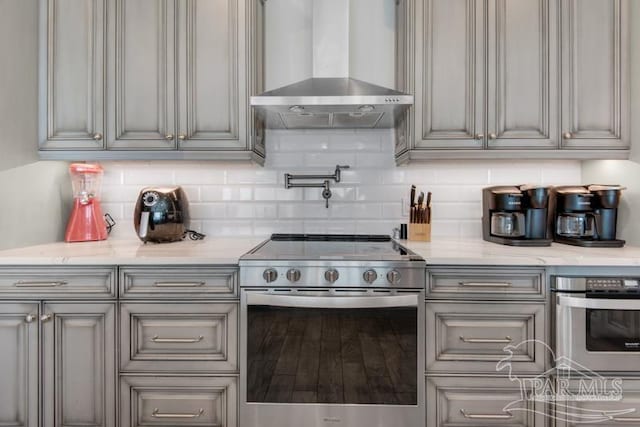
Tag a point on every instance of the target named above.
point(178, 401)
point(189, 282)
point(51, 282)
point(587, 410)
point(475, 337)
point(481, 401)
point(485, 283)
point(180, 337)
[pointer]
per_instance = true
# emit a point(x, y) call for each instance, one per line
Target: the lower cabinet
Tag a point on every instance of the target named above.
point(178, 401)
point(79, 369)
point(482, 401)
point(19, 364)
point(76, 353)
point(597, 401)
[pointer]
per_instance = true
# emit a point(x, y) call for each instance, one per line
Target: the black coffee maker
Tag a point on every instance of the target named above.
point(587, 215)
point(516, 215)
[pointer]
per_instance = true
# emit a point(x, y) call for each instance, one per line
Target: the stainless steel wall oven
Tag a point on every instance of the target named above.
point(332, 340)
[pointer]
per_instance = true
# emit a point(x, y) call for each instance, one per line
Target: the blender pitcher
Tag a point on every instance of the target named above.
point(86, 222)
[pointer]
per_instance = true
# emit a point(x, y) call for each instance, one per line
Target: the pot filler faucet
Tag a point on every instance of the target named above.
point(326, 190)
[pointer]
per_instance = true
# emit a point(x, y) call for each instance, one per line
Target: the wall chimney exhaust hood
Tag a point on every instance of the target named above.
point(330, 64)
point(328, 102)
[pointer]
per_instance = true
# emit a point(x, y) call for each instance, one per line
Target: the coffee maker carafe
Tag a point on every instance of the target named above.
point(516, 215)
point(587, 215)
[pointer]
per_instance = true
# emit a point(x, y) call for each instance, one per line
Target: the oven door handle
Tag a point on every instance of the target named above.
point(582, 301)
point(295, 301)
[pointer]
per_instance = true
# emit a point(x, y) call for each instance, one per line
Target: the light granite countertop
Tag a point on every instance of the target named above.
point(132, 252)
point(227, 251)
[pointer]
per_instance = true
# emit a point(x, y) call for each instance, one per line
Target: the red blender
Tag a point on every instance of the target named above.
point(86, 222)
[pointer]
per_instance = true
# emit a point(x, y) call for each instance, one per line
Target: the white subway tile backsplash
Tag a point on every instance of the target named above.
point(242, 199)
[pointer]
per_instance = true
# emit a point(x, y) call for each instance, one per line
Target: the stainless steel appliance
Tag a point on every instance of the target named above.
point(597, 322)
point(516, 215)
point(332, 333)
point(587, 215)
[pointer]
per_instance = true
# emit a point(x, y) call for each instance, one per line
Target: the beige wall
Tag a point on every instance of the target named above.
point(626, 173)
point(34, 194)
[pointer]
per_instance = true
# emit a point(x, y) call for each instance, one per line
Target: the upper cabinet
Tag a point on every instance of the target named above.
point(72, 70)
point(146, 79)
point(595, 74)
point(513, 78)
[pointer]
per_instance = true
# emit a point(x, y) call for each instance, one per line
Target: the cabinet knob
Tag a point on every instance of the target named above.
point(479, 136)
point(45, 317)
point(29, 318)
point(97, 136)
point(168, 136)
point(182, 137)
point(567, 135)
point(493, 136)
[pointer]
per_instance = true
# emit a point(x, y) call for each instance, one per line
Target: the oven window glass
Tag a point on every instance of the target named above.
point(613, 330)
point(351, 356)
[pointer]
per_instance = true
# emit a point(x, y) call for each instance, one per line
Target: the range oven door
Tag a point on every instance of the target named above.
point(598, 333)
point(334, 358)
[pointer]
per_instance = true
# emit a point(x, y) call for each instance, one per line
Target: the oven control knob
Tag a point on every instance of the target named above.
point(270, 275)
point(370, 276)
point(293, 275)
point(331, 275)
point(393, 277)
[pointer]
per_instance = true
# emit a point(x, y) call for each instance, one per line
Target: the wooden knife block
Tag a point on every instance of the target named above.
point(419, 232)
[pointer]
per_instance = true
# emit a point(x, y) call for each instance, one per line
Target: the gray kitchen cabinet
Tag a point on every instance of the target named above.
point(621, 409)
point(179, 337)
point(482, 402)
point(178, 401)
point(595, 74)
point(72, 75)
point(486, 283)
point(476, 337)
point(180, 76)
point(534, 78)
point(220, 282)
point(79, 370)
point(489, 75)
point(19, 406)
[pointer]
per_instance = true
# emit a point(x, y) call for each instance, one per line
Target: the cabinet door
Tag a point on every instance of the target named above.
point(19, 365)
point(522, 77)
point(73, 67)
point(451, 75)
point(212, 92)
point(143, 97)
point(79, 365)
point(595, 74)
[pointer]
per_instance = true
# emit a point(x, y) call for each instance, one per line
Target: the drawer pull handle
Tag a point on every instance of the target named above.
point(505, 340)
point(505, 416)
point(155, 338)
point(22, 284)
point(156, 414)
point(178, 284)
point(634, 420)
point(486, 285)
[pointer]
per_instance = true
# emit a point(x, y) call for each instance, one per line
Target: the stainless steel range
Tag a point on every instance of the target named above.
point(332, 333)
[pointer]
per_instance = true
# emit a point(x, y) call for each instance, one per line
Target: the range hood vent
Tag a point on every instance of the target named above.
point(331, 103)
